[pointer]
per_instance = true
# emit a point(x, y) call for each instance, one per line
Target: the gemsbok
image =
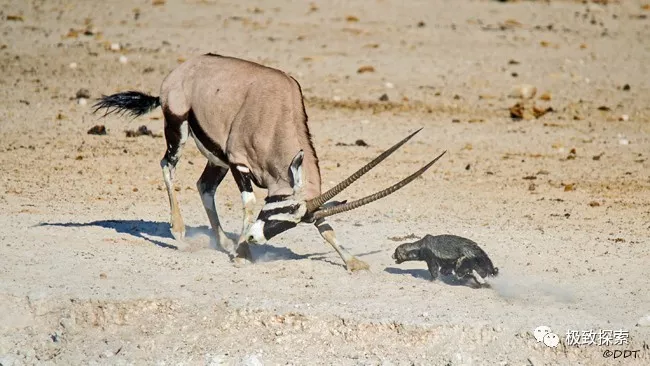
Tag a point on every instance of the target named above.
point(250, 119)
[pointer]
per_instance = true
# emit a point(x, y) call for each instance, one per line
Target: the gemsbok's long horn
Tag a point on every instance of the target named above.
point(373, 197)
point(316, 202)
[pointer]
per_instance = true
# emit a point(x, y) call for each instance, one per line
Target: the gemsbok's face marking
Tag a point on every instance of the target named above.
point(281, 213)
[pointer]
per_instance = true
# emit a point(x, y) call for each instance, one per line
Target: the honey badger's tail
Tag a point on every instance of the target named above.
point(133, 103)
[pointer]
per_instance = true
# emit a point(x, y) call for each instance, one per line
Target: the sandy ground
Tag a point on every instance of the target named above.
point(561, 203)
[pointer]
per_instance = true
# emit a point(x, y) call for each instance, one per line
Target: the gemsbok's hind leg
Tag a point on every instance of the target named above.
point(351, 262)
point(207, 187)
point(176, 133)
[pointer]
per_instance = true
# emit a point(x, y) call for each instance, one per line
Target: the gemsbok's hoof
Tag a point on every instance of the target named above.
point(355, 264)
point(241, 262)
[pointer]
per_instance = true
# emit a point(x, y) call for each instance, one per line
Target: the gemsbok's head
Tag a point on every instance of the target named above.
point(281, 213)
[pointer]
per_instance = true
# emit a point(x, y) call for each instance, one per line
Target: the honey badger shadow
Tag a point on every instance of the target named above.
point(447, 255)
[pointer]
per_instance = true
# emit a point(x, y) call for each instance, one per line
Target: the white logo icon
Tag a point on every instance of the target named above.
point(551, 340)
point(540, 332)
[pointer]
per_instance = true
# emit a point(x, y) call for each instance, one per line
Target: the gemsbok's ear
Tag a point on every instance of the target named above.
point(296, 173)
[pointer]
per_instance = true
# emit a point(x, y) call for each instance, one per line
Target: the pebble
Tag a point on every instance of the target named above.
point(115, 47)
point(123, 59)
point(8, 360)
point(73, 65)
point(524, 91)
point(624, 118)
point(251, 360)
point(624, 141)
point(336, 98)
point(82, 101)
point(217, 360)
point(82, 93)
point(389, 85)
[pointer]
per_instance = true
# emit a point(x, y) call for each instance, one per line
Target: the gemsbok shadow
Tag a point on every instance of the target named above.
point(154, 231)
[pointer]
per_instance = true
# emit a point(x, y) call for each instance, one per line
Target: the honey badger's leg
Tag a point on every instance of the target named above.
point(327, 232)
point(465, 268)
point(432, 262)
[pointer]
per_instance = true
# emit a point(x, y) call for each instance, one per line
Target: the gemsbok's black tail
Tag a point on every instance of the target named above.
point(133, 103)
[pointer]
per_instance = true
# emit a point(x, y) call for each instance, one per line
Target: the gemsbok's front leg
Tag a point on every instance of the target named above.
point(207, 187)
point(351, 262)
point(176, 132)
point(242, 176)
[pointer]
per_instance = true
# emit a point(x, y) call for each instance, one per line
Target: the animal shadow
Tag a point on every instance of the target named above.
point(153, 231)
point(450, 280)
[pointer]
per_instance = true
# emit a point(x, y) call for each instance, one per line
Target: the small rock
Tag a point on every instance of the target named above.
point(626, 87)
point(123, 59)
point(524, 91)
point(594, 204)
point(644, 321)
point(251, 360)
point(107, 354)
point(97, 130)
point(73, 65)
point(389, 85)
point(82, 93)
point(365, 68)
point(624, 141)
point(546, 96)
point(624, 118)
point(383, 98)
point(9, 360)
point(82, 101)
point(141, 131)
point(421, 24)
point(115, 47)
point(360, 143)
point(336, 98)
point(103, 276)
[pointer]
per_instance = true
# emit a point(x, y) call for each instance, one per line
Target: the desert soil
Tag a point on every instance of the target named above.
point(561, 203)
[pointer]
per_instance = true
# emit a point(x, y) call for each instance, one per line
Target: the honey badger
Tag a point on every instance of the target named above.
point(447, 254)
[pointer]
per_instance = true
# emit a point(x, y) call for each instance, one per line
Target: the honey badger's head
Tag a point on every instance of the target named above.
point(407, 252)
